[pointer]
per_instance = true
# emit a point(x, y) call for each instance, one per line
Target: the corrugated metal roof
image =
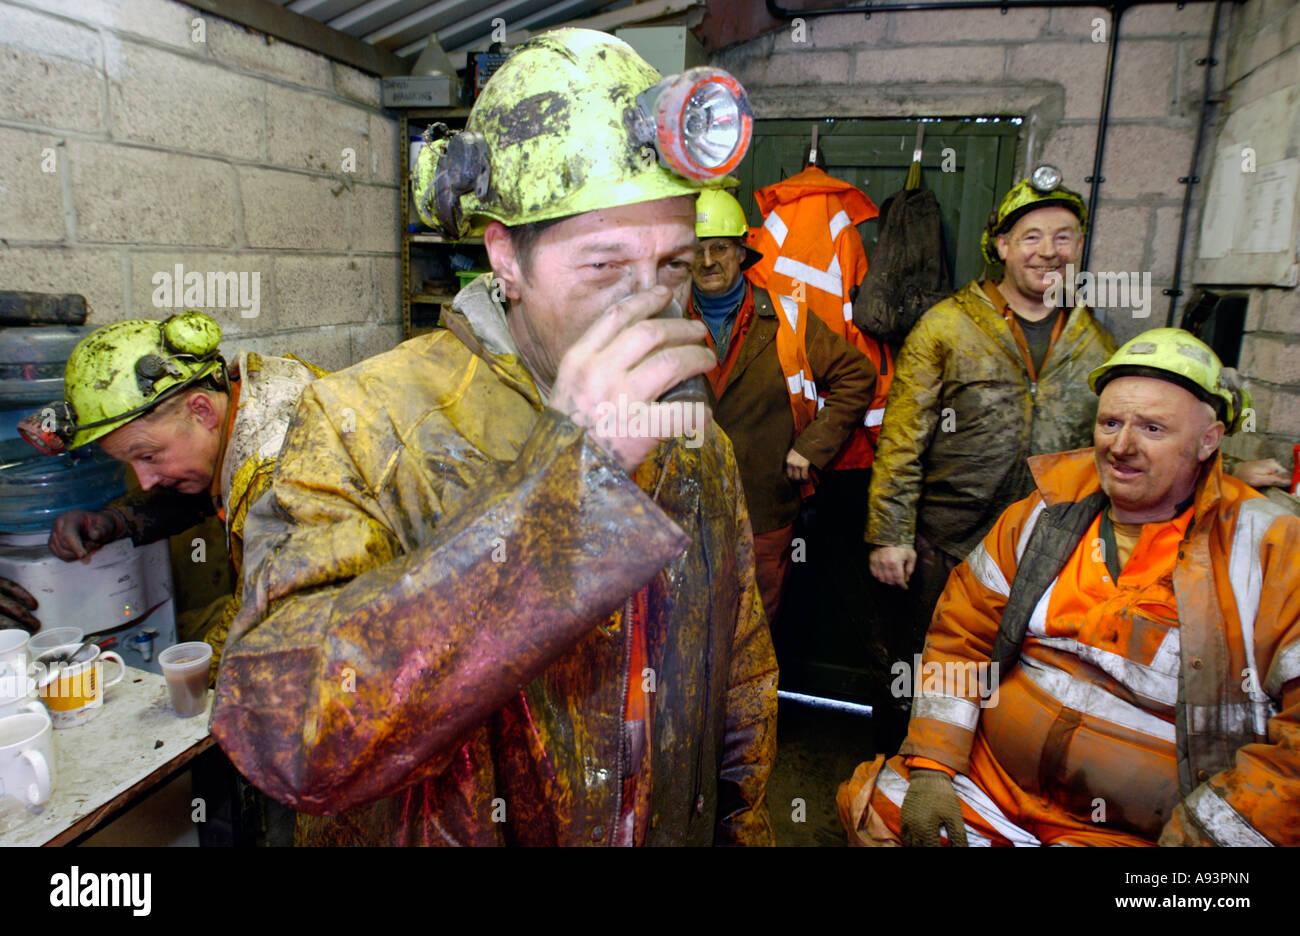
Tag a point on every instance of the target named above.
point(403, 26)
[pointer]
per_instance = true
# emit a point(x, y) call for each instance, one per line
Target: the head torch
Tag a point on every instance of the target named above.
point(52, 428)
point(699, 122)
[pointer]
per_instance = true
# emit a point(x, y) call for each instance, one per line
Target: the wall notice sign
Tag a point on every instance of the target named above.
point(1248, 225)
point(1268, 208)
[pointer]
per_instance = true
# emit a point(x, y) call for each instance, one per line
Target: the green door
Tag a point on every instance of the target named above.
point(875, 155)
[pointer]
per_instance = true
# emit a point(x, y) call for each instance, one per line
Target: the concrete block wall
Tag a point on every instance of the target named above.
point(136, 135)
point(1264, 57)
point(1043, 65)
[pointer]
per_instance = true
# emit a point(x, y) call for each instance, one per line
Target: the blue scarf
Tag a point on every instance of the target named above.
point(718, 312)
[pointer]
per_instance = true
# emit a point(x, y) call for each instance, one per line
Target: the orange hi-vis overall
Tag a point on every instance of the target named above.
point(1195, 647)
point(812, 250)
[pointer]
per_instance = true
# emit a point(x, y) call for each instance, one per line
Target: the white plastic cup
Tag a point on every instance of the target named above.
point(185, 667)
point(51, 638)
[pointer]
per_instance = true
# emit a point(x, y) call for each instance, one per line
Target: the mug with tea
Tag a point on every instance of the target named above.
point(27, 757)
point(73, 691)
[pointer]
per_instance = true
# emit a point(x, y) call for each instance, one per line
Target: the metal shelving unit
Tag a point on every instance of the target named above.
point(422, 321)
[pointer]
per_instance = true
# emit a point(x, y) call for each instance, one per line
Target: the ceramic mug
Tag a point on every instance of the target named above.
point(27, 702)
point(14, 657)
point(74, 693)
point(27, 757)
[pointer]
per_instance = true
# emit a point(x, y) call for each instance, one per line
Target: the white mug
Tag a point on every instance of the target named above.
point(27, 757)
point(74, 692)
point(14, 658)
point(27, 702)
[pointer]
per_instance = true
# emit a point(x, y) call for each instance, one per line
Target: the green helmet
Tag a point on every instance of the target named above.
point(1042, 189)
point(120, 372)
point(576, 121)
point(1181, 358)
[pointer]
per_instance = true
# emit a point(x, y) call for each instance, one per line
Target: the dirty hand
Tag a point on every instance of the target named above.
point(796, 467)
point(625, 361)
point(17, 604)
point(893, 565)
point(1263, 473)
point(930, 804)
point(78, 533)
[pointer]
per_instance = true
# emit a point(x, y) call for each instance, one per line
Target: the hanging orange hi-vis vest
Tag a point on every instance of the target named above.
point(812, 251)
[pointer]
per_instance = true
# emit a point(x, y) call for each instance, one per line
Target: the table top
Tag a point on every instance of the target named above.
point(134, 742)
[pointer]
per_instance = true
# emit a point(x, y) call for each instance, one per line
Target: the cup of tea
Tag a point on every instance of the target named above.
point(185, 667)
point(74, 691)
point(27, 757)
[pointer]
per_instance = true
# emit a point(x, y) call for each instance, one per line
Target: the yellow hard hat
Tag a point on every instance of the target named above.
point(1181, 358)
point(718, 214)
point(576, 121)
point(120, 372)
point(1042, 189)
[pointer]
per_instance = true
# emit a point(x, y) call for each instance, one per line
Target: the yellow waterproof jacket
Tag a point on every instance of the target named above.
point(424, 653)
point(963, 416)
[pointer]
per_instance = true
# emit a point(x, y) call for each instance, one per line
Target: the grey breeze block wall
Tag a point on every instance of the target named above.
point(136, 135)
point(1045, 66)
point(1264, 57)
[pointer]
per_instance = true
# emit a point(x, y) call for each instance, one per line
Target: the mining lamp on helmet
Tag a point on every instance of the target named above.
point(699, 121)
point(1045, 180)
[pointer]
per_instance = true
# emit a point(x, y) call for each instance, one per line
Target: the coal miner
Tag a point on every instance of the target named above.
point(200, 434)
point(483, 607)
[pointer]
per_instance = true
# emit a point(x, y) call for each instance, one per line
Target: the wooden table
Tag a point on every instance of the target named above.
point(133, 745)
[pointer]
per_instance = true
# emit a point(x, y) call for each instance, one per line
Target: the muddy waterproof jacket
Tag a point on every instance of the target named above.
point(963, 416)
point(424, 655)
point(1189, 733)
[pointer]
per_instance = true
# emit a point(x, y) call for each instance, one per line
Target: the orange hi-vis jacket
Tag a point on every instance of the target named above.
point(1161, 706)
point(812, 250)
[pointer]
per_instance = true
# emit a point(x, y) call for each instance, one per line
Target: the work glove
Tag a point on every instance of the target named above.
point(930, 804)
point(78, 533)
point(16, 606)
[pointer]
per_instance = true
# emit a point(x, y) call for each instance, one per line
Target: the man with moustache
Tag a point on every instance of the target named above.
point(1142, 612)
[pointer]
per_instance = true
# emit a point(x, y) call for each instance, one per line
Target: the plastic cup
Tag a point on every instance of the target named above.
point(51, 638)
point(185, 667)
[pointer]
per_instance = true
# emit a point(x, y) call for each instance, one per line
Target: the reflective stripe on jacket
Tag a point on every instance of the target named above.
point(811, 248)
point(964, 416)
point(1187, 730)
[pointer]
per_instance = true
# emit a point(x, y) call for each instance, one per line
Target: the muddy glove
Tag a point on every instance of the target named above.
point(930, 804)
point(78, 533)
point(16, 606)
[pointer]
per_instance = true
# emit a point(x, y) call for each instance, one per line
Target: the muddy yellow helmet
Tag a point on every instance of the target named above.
point(120, 372)
point(1042, 189)
point(576, 121)
point(1181, 358)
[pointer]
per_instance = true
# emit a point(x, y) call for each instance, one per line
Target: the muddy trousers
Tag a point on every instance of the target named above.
point(902, 620)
